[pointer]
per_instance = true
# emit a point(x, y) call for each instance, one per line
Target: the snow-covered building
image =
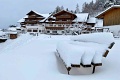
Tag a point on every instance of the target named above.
point(63, 22)
point(34, 22)
point(110, 16)
point(111, 19)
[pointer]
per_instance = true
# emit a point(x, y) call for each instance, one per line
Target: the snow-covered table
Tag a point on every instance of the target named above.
point(86, 49)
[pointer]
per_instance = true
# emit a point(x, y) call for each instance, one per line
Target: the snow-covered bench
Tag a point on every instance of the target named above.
point(85, 50)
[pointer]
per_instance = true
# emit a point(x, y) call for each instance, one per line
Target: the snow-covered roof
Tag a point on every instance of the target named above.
point(22, 19)
point(12, 29)
point(99, 23)
point(2, 33)
point(106, 10)
point(81, 17)
point(12, 32)
point(64, 11)
point(45, 16)
point(91, 20)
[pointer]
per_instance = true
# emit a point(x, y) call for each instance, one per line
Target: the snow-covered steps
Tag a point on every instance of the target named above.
point(12, 44)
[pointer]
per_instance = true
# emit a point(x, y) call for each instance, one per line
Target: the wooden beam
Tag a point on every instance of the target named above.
point(93, 69)
point(86, 65)
point(68, 69)
point(106, 53)
point(75, 65)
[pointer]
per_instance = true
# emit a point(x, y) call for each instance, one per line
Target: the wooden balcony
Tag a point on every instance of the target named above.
point(65, 16)
point(31, 22)
point(63, 22)
point(35, 17)
point(55, 28)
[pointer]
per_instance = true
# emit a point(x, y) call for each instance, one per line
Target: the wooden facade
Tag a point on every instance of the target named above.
point(33, 18)
point(111, 16)
point(54, 22)
point(13, 36)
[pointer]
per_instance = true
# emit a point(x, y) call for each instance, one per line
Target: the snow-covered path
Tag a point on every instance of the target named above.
point(36, 60)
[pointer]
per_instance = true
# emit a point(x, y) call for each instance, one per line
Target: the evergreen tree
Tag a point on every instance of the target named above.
point(62, 8)
point(77, 9)
point(67, 9)
point(57, 9)
point(93, 8)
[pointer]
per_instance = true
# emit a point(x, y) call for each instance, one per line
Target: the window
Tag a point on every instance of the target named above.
point(62, 31)
point(34, 30)
point(67, 31)
point(67, 25)
point(75, 25)
point(59, 25)
point(29, 30)
point(51, 24)
point(54, 31)
point(32, 24)
point(48, 31)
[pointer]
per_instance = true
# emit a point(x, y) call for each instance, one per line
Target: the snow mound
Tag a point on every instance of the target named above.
point(74, 52)
point(71, 54)
point(101, 38)
point(12, 44)
point(85, 49)
point(2, 33)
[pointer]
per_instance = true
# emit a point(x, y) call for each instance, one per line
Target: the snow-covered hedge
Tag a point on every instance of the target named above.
point(102, 38)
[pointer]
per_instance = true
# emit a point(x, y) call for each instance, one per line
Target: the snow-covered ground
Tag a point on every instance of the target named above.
point(33, 58)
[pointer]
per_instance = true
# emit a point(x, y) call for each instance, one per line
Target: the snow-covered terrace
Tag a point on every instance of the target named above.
point(33, 58)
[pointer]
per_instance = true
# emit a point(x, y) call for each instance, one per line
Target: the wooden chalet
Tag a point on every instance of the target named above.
point(111, 16)
point(34, 22)
point(65, 22)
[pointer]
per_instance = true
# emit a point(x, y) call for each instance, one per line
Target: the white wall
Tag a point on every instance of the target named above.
point(115, 29)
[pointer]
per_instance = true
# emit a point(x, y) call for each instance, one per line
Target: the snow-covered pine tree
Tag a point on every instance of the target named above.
point(62, 8)
point(67, 9)
point(93, 8)
point(77, 9)
point(109, 3)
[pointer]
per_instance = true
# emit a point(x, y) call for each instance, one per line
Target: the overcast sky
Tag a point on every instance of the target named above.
point(13, 10)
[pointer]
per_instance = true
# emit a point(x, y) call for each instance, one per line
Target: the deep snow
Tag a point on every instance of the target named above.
point(34, 59)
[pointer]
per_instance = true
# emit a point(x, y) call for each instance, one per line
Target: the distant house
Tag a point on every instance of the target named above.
point(60, 23)
point(110, 16)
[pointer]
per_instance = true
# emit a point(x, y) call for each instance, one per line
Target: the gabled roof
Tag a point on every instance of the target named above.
point(45, 16)
point(91, 20)
point(32, 11)
point(22, 19)
point(101, 15)
point(62, 12)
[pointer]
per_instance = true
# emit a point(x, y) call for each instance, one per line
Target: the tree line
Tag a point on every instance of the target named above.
point(93, 8)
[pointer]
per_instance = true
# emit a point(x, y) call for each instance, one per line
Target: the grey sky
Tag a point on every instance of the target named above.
point(13, 10)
